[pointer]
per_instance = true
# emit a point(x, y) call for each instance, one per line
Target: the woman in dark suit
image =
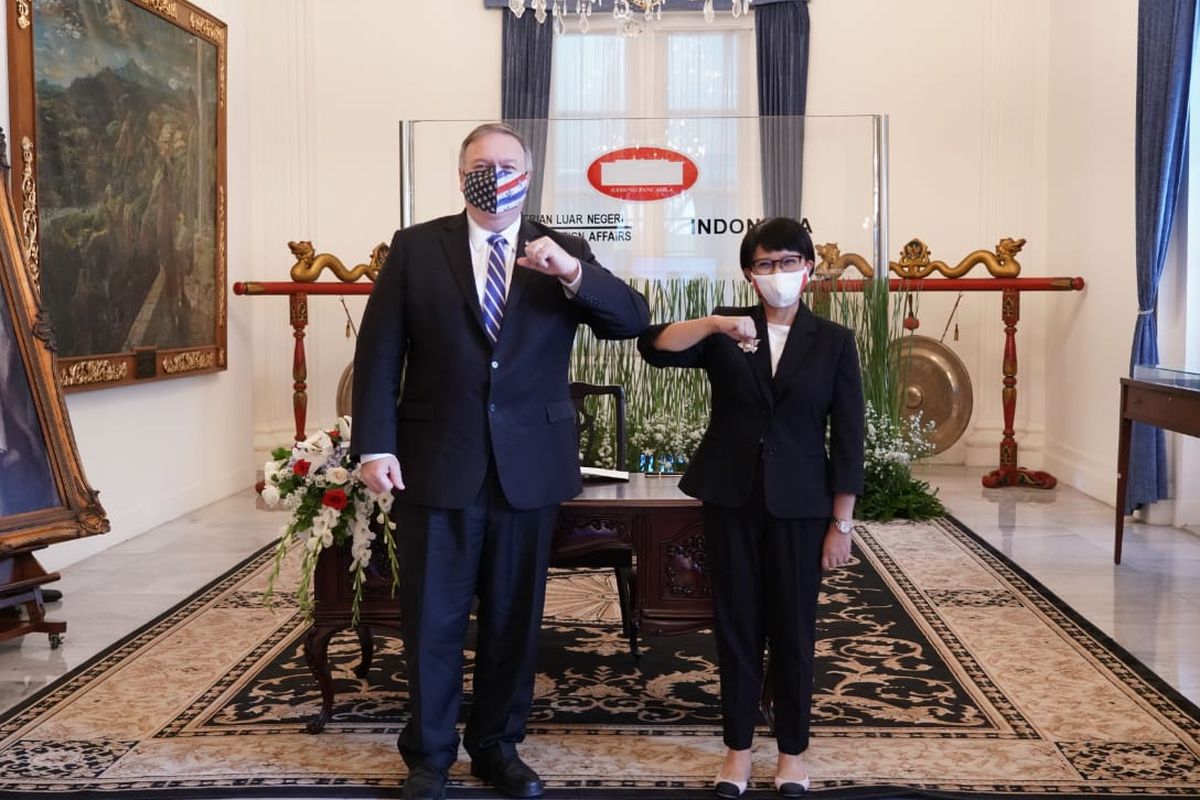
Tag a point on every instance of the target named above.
point(778, 496)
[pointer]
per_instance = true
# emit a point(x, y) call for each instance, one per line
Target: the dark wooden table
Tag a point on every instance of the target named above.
point(665, 530)
point(648, 514)
point(1171, 405)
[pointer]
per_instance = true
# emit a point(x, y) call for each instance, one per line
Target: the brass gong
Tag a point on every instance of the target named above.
point(934, 382)
point(345, 389)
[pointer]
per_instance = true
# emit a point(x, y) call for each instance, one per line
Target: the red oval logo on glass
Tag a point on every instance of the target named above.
point(642, 173)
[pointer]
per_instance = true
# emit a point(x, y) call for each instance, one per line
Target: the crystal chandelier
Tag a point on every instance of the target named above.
point(625, 12)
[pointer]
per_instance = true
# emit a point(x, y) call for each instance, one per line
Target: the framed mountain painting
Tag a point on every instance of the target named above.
point(118, 117)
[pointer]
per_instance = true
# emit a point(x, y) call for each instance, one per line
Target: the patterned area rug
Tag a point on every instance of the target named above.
point(943, 671)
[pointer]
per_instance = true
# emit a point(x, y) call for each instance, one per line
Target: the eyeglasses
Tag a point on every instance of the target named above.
point(765, 266)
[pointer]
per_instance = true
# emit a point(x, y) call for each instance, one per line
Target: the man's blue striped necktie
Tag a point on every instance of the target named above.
point(493, 291)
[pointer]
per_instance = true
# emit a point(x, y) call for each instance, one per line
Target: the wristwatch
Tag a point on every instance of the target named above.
point(843, 525)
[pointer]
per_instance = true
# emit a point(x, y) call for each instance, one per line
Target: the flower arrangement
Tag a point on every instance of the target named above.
point(890, 489)
point(665, 442)
point(319, 482)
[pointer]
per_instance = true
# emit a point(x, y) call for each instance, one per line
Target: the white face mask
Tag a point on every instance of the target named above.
point(781, 289)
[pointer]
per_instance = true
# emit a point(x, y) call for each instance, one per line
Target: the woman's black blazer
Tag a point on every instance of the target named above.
point(779, 421)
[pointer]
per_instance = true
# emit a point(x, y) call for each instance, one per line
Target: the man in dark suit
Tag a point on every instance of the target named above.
point(471, 325)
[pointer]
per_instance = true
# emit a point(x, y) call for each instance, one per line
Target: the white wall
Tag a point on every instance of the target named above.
point(964, 86)
point(1091, 209)
point(159, 450)
point(328, 150)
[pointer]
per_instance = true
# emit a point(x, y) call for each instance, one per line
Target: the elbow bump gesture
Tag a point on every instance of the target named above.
point(740, 329)
point(548, 257)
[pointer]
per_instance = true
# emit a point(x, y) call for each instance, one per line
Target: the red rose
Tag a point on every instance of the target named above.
point(334, 435)
point(301, 467)
point(335, 499)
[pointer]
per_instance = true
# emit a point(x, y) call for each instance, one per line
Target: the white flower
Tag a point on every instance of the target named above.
point(343, 427)
point(319, 441)
point(382, 499)
point(270, 495)
point(271, 471)
point(329, 515)
point(337, 475)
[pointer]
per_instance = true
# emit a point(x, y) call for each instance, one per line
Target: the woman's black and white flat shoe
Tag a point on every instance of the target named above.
point(791, 788)
point(731, 790)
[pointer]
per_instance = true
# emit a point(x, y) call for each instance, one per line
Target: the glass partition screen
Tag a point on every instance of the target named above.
point(672, 198)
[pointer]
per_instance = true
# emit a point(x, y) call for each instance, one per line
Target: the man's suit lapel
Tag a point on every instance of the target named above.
point(520, 276)
point(457, 246)
point(799, 341)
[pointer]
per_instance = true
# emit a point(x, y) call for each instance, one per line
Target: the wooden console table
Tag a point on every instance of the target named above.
point(1164, 398)
point(649, 514)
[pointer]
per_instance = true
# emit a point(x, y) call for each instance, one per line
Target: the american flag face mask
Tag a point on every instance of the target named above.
point(495, 189)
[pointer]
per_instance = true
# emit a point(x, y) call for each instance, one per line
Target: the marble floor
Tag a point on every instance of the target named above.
point(1150, 604)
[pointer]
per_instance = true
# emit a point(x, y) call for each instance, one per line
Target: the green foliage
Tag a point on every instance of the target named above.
point(892, 492)
point(876, 324)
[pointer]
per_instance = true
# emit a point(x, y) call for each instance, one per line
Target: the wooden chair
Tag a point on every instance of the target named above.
point(599, 544)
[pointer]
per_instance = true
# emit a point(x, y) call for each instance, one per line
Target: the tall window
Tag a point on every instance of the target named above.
point(681, 83)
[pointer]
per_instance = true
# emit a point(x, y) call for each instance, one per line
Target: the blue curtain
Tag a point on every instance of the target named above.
point(781, 29)
point(526, 55)
point(1166, 33)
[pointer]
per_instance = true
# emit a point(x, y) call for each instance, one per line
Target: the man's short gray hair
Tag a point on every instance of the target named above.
point(494, 127)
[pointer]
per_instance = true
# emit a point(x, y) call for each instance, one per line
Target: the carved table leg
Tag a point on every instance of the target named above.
point(625, 592)
point(1008, 473)
point(366, 644)
point(316, 654)
point(1124, 434)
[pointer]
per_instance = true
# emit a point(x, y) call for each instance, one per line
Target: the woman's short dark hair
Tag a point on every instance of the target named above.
point(775, 234)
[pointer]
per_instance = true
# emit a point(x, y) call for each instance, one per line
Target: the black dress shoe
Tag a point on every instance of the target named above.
point(513, 776)
point(424, 783)
point(730, 790)
point(791, 788)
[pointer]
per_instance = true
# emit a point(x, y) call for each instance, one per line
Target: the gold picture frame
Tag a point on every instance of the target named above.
point(119, 138)
point(44, 495)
